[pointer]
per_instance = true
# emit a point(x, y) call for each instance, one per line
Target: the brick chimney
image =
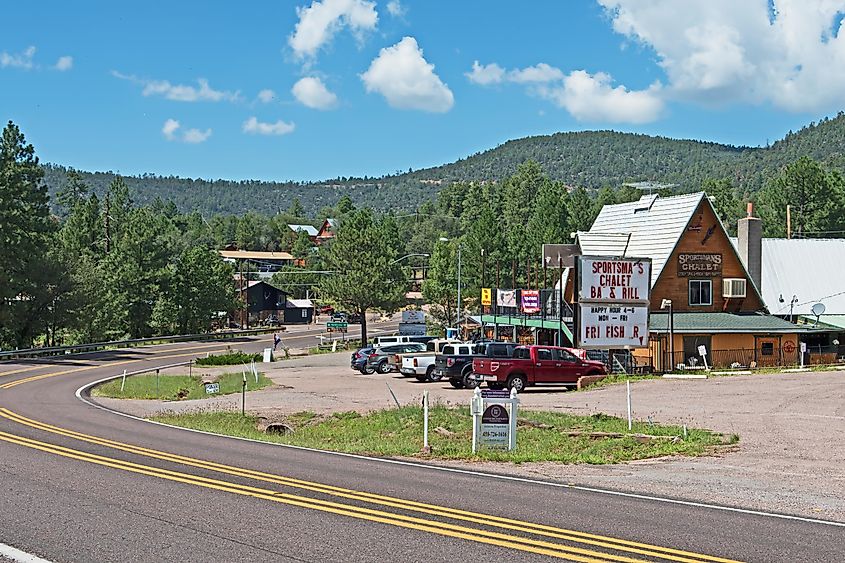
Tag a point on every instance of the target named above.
point(750, 244)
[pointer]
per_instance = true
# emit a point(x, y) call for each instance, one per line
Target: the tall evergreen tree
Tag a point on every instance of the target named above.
point(365, 274)
point(25, 228)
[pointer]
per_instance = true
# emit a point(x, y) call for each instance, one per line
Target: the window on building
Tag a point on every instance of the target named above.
point(700, 292)
point(767, 348)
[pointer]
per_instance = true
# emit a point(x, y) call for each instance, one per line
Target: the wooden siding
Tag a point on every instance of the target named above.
point(695, 240)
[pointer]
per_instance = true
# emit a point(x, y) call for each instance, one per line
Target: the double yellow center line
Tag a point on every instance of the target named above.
point(10, 384)
point(613, 549)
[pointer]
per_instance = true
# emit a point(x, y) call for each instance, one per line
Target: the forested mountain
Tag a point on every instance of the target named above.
point(592, 159)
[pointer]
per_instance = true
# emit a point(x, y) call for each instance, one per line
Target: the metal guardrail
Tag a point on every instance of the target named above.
point(94, 346)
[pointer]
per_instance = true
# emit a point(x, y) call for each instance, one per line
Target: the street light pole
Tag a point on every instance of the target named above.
point(667, 303)
point(458, 316)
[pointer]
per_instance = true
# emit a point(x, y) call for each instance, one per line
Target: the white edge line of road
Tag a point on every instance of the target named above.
point(611, 492)
point(14, 554)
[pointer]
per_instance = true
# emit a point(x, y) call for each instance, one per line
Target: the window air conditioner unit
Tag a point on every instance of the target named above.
point(733, 287)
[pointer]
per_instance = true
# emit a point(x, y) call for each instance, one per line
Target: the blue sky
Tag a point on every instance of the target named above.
point(310, 90)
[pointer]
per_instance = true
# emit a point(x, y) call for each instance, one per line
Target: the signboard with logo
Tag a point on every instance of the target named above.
point(530, 301)
point(486, 296)
point(212, 388)
point(495, 427)
point(613, 302)
point(506, 297)
point(341, 326)
point(614, 280)
point(413, 316)
point(613, 327)
point(699, 265)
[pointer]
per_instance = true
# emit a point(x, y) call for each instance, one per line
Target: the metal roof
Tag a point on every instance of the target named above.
point(310, 229)
point(805, 268)
point(649, 227)
point(255, 255)
point(723, 323)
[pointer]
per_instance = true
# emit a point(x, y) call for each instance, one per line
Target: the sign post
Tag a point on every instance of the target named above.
point(702, 351)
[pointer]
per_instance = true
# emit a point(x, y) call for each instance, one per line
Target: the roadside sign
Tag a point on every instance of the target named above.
point(267, 357)
point(413, 316)
point(494, 415)
point(337, 325)
point(486, 296)
point(211, 388)
point(616, 280)
point(495, 427)
point(612, 327)
point(702, 350)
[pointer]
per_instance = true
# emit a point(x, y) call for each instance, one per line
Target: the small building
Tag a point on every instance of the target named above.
point(262, 302)
point(256, 261)
point(716, 302)
point(310, 230)
point(298, 311)
point(327, 231)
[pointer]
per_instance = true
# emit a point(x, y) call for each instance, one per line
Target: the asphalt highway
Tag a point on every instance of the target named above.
point(81, 483)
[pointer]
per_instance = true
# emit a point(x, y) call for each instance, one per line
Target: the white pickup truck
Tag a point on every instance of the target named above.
point(421, 364)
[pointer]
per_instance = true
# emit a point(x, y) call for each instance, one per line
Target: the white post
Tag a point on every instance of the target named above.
point(123, 381)
point(513, 421)
point(476, 408)
point(628, 383)
point(425, 420)
point(706, 367)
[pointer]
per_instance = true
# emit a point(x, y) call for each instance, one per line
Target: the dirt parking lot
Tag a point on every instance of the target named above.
point(790, 458)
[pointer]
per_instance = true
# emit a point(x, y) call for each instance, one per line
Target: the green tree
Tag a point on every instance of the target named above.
point(580, 210)
point(725, 200)
point(195, 287)
point(816, 197)
point(25, 229)
point(440, 288)
point(365, 275)
point(296, 210)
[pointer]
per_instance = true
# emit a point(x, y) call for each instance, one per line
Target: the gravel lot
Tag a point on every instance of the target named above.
point(790, 458)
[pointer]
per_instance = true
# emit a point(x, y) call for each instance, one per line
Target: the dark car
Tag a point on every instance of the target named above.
point(378, 358)
point(272, 320)
point(353, 318)
point(455, 363)
point(359, 360)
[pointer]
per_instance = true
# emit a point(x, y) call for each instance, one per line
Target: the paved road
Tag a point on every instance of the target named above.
point(82, 484)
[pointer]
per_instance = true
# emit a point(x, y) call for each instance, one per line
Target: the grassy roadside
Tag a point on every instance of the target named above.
point(398, 432)
point(176, 387)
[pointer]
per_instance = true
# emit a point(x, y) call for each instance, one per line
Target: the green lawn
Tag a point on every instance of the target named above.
point(176, 387)
point(398, 432)
point(232, 358)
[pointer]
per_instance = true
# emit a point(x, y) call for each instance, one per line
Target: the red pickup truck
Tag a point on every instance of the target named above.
point(535, 364)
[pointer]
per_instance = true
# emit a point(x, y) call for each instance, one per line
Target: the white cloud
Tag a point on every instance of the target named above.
point(169, 129)
point(266, 96)
point(783, 52)
point(180, 92)
point(64, 63)
point(586, 97)
point(255, 127)
point(407, 81)
point(18, 60)
point(396, 9)
point(486, 74)
point(196, 136)
point(593, 98)
point(193, 136)
point(319, 22)
point(312, 93)
point(538, 74)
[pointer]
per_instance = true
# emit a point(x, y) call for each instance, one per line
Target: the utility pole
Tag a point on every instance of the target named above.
point(482, 281)
point(788, 221)
point(458, 316)
point(560, 300)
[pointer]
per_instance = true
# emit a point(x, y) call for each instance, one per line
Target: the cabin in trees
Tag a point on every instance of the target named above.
point(263, 301)
point(327, 231)
point(716, 300)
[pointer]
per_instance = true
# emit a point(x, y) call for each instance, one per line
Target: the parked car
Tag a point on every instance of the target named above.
point(531, 365)
point(353, 318)
point(455, 363)
point(421, 364)
point(272, 320)
point(339, 317)
point(385, 340)
point(359, 360)
point(378, 358)
point(325, 310)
